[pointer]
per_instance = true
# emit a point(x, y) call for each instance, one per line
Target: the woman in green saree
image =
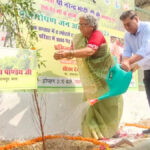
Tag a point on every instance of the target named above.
point(94, 60)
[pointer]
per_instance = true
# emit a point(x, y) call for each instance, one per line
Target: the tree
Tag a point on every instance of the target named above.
point(21, 33)
point(20, 28)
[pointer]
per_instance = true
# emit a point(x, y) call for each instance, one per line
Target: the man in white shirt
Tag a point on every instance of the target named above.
point(137, 47)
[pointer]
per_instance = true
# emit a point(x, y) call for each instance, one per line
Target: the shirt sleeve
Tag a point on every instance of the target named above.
point(145, 61)
point(127, 50)
point(145, 47)
point(96, 40)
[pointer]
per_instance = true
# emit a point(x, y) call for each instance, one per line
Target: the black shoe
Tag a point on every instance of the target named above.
point(146, 131)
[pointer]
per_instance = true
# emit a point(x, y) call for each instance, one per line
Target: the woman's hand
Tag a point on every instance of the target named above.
point(58, 47)
point(60, 54)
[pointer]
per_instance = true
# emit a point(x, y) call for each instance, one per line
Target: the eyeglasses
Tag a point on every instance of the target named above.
point(83, 24)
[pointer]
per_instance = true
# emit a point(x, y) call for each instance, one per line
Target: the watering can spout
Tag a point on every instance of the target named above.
point(92, 101)
point(106, 95)
point(118, 81)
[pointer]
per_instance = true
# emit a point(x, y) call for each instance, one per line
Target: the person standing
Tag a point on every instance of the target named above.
point(94, 60)
point(137, 47)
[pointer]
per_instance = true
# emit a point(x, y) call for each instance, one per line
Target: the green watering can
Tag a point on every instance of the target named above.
point(118, 81)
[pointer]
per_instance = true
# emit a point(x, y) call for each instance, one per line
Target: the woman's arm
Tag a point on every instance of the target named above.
point(78, 53)
point(95, 41)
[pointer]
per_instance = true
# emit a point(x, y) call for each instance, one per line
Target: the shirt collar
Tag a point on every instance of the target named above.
point(139, 28)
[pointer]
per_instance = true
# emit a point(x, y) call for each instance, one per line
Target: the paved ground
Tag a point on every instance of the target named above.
point(135, 107)
point(19, 120)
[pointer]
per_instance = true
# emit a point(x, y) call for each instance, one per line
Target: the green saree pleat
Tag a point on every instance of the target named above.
point(103, 118)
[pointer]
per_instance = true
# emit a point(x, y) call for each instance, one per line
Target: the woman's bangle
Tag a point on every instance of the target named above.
point(71, 54)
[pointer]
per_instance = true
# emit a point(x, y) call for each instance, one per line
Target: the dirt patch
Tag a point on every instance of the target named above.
point(58, 144)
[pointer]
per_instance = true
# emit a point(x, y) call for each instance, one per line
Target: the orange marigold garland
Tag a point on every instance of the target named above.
point(137, 125)
point(103, 146)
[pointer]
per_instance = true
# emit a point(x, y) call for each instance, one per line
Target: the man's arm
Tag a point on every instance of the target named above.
point(142, 55)
point(144, 50)
point(135, 58)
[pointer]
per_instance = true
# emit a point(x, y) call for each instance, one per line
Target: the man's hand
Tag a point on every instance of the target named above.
point(130, 63)
point(134, 67)
point(125, 65)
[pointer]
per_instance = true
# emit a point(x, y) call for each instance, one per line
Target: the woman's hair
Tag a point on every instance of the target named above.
point(91, 19)
point(128, 14)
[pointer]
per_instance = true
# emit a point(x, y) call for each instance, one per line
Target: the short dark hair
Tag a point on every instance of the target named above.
point(128, 14)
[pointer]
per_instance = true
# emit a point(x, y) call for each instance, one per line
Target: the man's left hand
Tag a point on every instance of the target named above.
point(134, 67)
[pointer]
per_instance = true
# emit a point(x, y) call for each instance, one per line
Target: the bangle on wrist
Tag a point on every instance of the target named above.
point(71, 54)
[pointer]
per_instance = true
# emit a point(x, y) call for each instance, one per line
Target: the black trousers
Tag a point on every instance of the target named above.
point(147, 84)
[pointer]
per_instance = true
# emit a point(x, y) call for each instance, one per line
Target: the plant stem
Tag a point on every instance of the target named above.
point(40, 118)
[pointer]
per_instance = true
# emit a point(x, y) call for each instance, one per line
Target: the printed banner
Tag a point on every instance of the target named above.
point(56, 24)
point(17, 69)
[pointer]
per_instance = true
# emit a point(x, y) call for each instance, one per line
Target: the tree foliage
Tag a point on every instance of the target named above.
point(20, 29)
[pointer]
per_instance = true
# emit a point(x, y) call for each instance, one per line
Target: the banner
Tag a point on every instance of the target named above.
point(17, 69)
point(56, 24)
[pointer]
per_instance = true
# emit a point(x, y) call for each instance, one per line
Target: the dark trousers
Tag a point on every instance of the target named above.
point(147, 84)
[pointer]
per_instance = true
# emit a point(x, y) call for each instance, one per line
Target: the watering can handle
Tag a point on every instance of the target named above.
point(112, 70)
point(110, 73)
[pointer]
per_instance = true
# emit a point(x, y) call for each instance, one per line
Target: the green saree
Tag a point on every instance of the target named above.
point(103, 118)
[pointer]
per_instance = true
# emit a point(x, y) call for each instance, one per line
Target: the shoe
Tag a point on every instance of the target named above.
point(146, 131)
